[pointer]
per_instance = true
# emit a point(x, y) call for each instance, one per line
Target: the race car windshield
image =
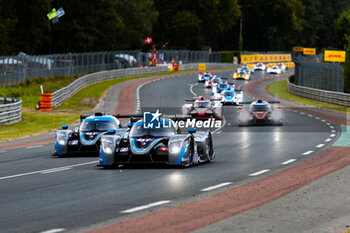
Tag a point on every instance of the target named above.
point(223, 85)
point(97, 125)
point(138, 131)
point(260, 108)
point(216, 81)
point(202, 104)
point(229, 94)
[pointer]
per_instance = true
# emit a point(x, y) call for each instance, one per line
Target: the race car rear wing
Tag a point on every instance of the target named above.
point(270, 102)
point(199, 98)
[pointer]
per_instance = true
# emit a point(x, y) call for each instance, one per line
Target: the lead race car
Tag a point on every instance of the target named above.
point(161, 144)
point(260, 112)
point(86, 138)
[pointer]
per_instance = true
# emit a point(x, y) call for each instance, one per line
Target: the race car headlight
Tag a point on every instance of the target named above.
point(62, 139)
point(107, 145)
point(175, 147)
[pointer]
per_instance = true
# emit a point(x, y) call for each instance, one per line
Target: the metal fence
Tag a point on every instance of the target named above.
point(10, 110)
point(16, 69)
point(310, 72)
point(319, 95)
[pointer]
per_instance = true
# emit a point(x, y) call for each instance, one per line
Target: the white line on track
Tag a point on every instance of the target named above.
point(56, 170)
point(328, 140)
point(145, 207)
point(328, 123)
point(332, 135)
point(333, 131)
point(191, 88)
point(323, 120)
point(216, 186)
point(32, 147)
point(3, 151)
point(320, 145)
point(302, 113)
point(223, 125)
point(310, 115)
point(54, 230)
point(318, 118)
point(41, 171)
point(308, 152)
point(259, 172)
point(331, 126)
point(288, 161)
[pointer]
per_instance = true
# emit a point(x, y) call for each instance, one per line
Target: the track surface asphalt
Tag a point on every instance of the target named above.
point(40, 192)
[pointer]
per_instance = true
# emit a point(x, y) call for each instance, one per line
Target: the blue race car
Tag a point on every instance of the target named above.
point(223, 86)
point(232, 97)
point(86, 137)
point(165, 144)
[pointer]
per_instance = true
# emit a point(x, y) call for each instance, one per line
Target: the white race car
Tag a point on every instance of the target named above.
point(274, 70)
point(231, 96)
point(259, 66)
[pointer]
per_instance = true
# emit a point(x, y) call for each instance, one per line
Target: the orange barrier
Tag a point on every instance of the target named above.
point(45, 103)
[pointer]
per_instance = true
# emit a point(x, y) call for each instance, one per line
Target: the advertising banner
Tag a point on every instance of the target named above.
point(254, 58)
point(309, 51)
point(334, 56)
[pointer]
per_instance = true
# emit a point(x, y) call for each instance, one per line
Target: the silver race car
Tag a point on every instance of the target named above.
point(165, 144)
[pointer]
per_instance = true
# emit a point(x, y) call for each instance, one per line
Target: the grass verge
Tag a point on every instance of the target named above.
point(280, 90)
point(33, 123)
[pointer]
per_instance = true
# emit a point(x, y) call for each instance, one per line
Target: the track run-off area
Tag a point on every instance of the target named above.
point(41, 193)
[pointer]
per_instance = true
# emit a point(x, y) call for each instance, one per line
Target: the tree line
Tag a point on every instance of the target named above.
point(91, 25)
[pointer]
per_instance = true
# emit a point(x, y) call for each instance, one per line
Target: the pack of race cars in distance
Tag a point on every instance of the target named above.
point(260, 112)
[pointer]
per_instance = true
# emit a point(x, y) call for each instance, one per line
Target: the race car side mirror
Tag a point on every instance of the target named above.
point(76, 129)
point(64, 126)
point(129, 125)
point(192, 130)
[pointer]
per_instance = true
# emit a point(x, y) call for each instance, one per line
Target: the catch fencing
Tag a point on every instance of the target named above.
point(319, 95)
point(16, 69)
point(10, 110)
point(310, 72)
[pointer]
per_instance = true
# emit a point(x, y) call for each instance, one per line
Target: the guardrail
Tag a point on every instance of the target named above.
point(332, 97)
point(10, 110)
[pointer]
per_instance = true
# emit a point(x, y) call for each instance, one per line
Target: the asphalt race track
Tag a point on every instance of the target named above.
point(39, 192)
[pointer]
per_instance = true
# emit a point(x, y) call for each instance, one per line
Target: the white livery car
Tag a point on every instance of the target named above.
point(274, 70)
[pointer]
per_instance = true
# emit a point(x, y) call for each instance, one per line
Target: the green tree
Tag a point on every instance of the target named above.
point(88, 26)
point(185, 32)
point(271, 24)
point(343, 29)
point(212, 20)
point(138, 17)
point(25, 25)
